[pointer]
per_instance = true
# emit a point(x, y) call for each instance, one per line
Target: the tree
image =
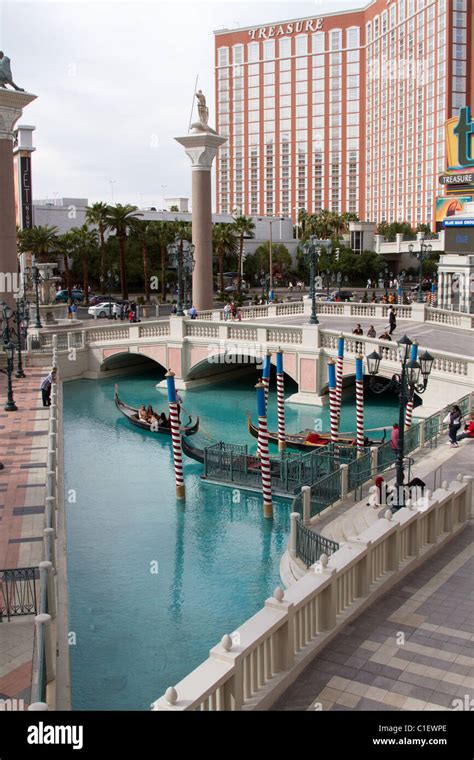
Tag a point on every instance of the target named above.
point(97, 214)
point(164, 234)
point(174, 209)
point(224, 243)
point(390, 231)
point(244, 227)
point(40, 241)
point(121, 220)
point(82, 241)
point(63, 249)
point(260, 261)
point(142, 233)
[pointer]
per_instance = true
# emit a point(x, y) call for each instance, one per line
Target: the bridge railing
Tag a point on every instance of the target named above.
point(311, 546)
point(251, 668)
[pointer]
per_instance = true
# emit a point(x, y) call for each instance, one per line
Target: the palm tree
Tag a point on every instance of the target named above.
point(82, 240)
point(63, 247)
point(142, 234)
point(244, 227)
point(40, 241)
point(224, 243)
point(97, 214)
point(163, 233)
point(121, 220)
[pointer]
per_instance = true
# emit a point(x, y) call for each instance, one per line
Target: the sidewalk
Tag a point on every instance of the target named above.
point(23, 451)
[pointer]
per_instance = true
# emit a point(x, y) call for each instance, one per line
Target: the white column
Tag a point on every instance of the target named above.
point(448, 290)
point(441, 286)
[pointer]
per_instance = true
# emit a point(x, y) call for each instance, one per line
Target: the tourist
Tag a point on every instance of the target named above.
point(174, 309)
point(395, 437)
point(371, 332)
point(290, 286)
point(226, 312)
point(392, 319)
point(162, 420)
point(358, 330)
point(142, 413)
point(385, 336)
point(239, 314)
point(391, 298)
point(131, 316)
point(374, 298)
point(468, 432)
point(73, 310)
point(46, 385)
point(369, 284)
point(454, 423)
point(150, 414)
point(69, 309)
point(193, 312)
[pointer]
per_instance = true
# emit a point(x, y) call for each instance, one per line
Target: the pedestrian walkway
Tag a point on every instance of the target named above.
point(411, 650)
point(24, 444)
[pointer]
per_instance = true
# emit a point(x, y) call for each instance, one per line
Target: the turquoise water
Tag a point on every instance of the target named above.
point(153, 585)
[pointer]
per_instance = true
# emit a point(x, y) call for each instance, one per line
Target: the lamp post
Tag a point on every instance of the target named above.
point(112, 278)
point(312, 252)
point(188, 268)
point(22, 319)
point(179, 252)
point(36, 278)
point(421, 255)
point(404, 385)
point(9, 349)
point(19, 315)
point(270, 220)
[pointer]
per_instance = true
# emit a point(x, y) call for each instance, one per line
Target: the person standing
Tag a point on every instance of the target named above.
point(394, 438)
point(45, 387)
point(371, 332)
point(392, 319)
point(455, 419)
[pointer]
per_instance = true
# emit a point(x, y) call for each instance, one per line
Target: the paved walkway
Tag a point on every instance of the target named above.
point(23, 439)
point(411, 650)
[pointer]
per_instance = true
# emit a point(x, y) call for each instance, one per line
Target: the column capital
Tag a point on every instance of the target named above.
point(201, 149)
point(12, 103)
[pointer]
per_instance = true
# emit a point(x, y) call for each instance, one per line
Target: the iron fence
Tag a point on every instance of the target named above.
point(18, 592)
point(359, 470)
point(325, 492)
point(310, 546)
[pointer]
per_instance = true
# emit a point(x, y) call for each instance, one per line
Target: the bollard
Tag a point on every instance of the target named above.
point(46, 567)
point(306, 491)
point(294, 516)
point(43, 620)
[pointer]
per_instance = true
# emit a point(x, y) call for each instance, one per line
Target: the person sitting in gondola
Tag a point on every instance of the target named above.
point(142, 413)
point(150, 414)
point(162, 420)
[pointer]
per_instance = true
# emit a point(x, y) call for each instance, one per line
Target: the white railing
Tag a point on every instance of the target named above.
point(251, 668)
point(449, 318)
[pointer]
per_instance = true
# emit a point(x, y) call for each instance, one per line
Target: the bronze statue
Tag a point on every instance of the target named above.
point(6, 73)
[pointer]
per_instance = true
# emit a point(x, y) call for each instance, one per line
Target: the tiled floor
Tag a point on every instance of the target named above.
point(23, 450)
point(412, 650)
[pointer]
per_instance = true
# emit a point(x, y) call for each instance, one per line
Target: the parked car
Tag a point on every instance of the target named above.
point(102, 309)
point(233, 289)
point(321, 295)
point(62, 296)
point(341, 295)
point(94, 300)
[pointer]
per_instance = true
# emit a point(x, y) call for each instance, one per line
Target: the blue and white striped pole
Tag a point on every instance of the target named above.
point(280, 400)
point(360, 403)
point(332, 400)
point(175, 436)
point(339, 373)
point(267, 363)
point(263, 449)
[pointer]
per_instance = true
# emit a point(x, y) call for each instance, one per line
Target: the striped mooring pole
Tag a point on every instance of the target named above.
point(340, 368)
point(280, 400)
point(409, 408)
point(267, 364)
point(263, 447)
point(360, 403)
point(175, 436)
point(333, 400)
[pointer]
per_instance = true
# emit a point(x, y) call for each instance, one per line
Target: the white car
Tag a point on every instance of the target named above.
point(103, 309)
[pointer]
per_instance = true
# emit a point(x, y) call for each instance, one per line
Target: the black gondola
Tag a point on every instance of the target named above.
point(300, 440)
point(192, 451)
point(131, 414)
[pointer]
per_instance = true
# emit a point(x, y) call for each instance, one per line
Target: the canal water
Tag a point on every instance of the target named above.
point(152, 584)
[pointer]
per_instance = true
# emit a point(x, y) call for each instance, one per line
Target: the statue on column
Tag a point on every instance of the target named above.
point(203, 111)
point(6, 73)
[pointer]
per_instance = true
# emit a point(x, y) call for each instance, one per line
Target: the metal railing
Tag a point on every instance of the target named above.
point(310, 546)
point(359, 470)
point(325, 492)
point(18, 592)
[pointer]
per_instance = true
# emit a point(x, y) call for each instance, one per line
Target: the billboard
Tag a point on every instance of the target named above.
point(447, 207)
point(26, 193)
point(459, 241)
point(16, 180)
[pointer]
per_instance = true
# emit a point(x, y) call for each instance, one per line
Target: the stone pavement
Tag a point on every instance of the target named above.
point(23, 451)
point(413, 649)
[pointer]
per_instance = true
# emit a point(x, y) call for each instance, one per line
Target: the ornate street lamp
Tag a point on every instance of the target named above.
point(9, 349)
point(112, 278)
point(22, 320)
point(312, 252)
point(179, 252)
point(188, 268)
point(405, 385)
point(421, 255)
point(36, 278)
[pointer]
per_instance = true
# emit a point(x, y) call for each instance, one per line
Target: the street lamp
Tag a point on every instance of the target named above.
point(179, 252)
point(312, 252)
point(9, 349)
point(271, 220)
point(36, 278)
point(421, 255)
point(22, 319)
point(404, 385)
point(112, 278)
point(188, 268)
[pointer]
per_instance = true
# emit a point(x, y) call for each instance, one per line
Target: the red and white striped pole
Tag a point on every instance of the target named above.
point(175, 436)
point(339, 374)
point(333, 400)
point(263, 447)
point(280, 400)
point(360, 403)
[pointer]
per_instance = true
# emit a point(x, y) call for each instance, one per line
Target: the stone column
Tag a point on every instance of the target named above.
point(202, 149)
point(441, 290)
point(448, 291)
point(11, 109)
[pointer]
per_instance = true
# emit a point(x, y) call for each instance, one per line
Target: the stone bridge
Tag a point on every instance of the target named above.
point(206, 350)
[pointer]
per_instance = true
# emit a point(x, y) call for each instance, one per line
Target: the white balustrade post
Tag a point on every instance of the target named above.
point(306, 491)
point(46, 568)
point(327, 598)
point(294, 517)
point(469, 479)
point(43, 620)
point(38, 707)
point(49, 548)
point(421, 427)
point(344, 480)
point(374, 453)
point(50, 503)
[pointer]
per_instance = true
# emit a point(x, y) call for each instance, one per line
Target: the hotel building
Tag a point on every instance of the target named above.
point(345, 111)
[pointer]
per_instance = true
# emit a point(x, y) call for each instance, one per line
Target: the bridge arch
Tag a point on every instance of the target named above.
point(205, 362)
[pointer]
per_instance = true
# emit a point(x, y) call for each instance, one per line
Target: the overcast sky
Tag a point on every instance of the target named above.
point(115, 83)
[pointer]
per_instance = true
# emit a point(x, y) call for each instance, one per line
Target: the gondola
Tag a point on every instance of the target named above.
point(131, 415)
point(192, 451)
point(308, 439)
